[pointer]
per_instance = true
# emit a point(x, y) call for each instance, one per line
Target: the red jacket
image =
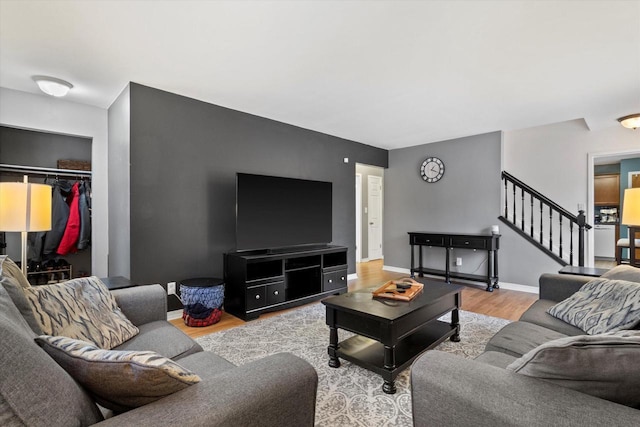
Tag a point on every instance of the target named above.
point(72, 231)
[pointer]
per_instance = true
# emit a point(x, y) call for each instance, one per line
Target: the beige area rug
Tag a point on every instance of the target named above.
point(349, 395)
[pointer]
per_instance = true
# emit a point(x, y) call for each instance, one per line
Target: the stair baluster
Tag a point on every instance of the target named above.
point(544, 242)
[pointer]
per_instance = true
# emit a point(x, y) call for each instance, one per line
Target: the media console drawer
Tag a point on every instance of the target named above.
point(334, 280)
point(256, 297)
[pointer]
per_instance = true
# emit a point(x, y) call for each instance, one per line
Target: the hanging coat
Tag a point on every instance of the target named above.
point(72, 231)
point(59, 217)
point(85, 217)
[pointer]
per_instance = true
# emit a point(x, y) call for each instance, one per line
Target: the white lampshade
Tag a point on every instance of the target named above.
point(631, 207)
point(25, 206)
point(53, 86)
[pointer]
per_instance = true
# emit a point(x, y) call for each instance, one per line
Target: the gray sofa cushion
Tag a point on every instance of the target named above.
point(163, 338)
point(518, 338)
point(494, 358)
point(537, 314)
point(55, 400)
point(119, 380)
point(604, 366)
point(601, 305)
point(206, 364)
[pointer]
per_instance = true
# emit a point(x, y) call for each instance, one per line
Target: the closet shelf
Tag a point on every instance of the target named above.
point(36, 170)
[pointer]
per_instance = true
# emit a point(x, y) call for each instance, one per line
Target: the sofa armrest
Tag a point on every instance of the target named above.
point(279, 390)
point(142, 304)
point(558, 287)
point(453, 391)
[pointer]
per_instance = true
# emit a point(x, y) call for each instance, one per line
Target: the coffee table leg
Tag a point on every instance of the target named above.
point(455, 322)
point(389, 386)
point(334, 362)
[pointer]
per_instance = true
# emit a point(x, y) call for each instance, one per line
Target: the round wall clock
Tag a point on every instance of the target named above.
point(432, 169)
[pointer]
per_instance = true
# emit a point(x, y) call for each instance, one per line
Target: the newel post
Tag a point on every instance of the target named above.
point(581, 221)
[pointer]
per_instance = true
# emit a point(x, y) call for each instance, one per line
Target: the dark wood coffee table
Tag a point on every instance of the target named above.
point(390, 334)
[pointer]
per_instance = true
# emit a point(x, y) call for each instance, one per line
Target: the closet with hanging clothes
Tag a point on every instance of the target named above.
point(63, 252)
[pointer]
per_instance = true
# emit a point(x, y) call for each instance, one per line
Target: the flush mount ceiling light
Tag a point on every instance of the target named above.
point(632, 121)
point(52, 86)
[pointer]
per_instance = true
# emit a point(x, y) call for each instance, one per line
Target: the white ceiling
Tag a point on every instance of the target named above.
point(385, 73)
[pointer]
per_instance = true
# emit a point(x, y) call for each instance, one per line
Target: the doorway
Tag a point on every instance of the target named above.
point(369, 208)
point(358, 217)
point(626, 162)
point(374, 196)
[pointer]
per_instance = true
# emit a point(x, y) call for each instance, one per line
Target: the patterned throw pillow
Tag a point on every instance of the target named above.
point(600, 306)
point(83, 309)
point(604, 365)
point(119, 380)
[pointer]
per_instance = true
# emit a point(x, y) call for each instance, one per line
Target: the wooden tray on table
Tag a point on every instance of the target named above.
point(404, 289)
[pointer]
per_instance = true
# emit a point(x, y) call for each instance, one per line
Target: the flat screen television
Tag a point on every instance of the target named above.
point(275, 212)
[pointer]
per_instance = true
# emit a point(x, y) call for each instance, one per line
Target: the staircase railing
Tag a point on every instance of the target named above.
point(521, 206)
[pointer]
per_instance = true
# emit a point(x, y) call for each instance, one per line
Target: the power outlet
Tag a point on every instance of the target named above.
point(171, 288)
point(459, 261)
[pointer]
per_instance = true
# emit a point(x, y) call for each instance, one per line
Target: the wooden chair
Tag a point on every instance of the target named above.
point(632, 245)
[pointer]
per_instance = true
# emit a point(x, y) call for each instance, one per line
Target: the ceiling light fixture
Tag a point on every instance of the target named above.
point(52, 86)
point(632, 121)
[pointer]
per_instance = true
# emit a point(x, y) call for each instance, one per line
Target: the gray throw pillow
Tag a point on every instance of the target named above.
point(623, 272)
point(16, 293)
point(604, 365)
point(83, 309)
point(10, 269)
point(601, 305)
point(119, 380)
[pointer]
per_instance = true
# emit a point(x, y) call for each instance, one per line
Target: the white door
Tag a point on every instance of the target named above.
point(375, 217)
point(358, 217)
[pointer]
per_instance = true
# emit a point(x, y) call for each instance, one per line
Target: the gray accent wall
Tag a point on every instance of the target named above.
point(119, 185)
point(184, 155)
point(465, 200)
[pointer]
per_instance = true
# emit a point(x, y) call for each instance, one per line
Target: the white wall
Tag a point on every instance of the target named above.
point(48, 114)
point(557, 159)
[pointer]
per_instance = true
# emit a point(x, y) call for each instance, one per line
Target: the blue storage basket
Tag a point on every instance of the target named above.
point(207, 292)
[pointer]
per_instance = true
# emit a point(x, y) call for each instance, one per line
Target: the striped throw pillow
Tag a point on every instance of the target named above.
point(118, 380)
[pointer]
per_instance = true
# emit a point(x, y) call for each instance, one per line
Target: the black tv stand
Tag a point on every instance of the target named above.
point(261, 281)
point(288, 250)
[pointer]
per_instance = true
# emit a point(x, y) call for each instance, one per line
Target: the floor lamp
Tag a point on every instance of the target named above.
point(25, 207)
point(631, 218)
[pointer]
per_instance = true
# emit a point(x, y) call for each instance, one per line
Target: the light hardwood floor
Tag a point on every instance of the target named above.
point(501, 303)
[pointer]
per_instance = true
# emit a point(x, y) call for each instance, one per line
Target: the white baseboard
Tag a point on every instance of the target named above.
point(521, 288)
point(503, 285)
point(364, 260)
point(396, 269)
point(352, 276)
point(175, 314)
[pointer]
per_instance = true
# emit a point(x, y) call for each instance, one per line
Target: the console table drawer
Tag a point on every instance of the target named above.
point(275, 293)
point(472, 243)
point(429, 240)
point(256, 297)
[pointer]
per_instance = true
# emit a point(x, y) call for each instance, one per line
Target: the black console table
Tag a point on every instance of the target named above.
point(258, 282)
point(486, 242)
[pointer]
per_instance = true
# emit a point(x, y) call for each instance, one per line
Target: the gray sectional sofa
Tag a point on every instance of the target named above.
point(279, 390)
point(453, 391)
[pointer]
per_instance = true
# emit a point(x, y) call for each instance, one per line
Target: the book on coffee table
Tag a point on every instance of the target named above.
point(404, 289)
